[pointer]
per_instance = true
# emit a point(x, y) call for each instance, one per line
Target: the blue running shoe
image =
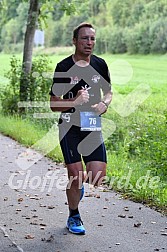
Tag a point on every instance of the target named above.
point(75, 225)
point(82, 192)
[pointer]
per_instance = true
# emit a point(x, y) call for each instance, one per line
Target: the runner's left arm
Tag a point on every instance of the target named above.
point(103, 105)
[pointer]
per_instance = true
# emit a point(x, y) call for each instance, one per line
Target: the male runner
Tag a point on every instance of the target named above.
point(77, 95)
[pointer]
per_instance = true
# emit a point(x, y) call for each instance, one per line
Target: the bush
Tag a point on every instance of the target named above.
point(40, 79)
point(117, 43)
point(138, 39)
point(38, 88)
point(143, 142)
point(56, 37)
point(158, 36)
point(102, 40)
point(10, 96)
point(12, 48)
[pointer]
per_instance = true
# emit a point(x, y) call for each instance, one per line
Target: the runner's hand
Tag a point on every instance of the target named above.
point(82, 97)
point(100, 108)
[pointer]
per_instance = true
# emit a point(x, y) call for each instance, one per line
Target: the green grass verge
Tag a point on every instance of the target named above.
point(29, 134)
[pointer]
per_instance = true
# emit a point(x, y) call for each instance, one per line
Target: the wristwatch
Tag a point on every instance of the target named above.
point(105, 103)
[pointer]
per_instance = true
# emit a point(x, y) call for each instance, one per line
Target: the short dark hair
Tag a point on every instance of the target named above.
point(76, 30)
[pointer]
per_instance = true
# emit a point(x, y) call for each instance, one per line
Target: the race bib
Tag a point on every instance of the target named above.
point(90, 121)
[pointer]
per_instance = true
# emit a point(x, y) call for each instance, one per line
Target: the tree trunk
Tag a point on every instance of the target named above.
point(32, 22)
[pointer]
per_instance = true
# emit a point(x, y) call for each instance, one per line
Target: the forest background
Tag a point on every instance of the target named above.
point(133, 26)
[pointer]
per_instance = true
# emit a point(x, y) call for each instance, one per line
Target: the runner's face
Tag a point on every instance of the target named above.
point(85, 42)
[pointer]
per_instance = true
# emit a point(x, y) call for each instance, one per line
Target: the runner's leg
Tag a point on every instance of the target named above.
point(76, 177)
point(96, 171)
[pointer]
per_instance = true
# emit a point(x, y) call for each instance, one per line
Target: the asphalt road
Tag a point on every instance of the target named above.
point(33, 211)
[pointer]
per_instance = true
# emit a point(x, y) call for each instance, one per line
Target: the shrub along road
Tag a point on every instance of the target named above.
point(33, 211)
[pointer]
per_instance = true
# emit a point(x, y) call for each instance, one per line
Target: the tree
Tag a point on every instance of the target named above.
point(32, 20)
point(37, 9)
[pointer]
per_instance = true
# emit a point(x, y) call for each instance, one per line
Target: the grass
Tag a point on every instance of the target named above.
point(19, 130)
point(150, 69)
point(137, 150)
point(27, 133)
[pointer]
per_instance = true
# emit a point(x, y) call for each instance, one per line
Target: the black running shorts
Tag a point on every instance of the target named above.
point(76, 144)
